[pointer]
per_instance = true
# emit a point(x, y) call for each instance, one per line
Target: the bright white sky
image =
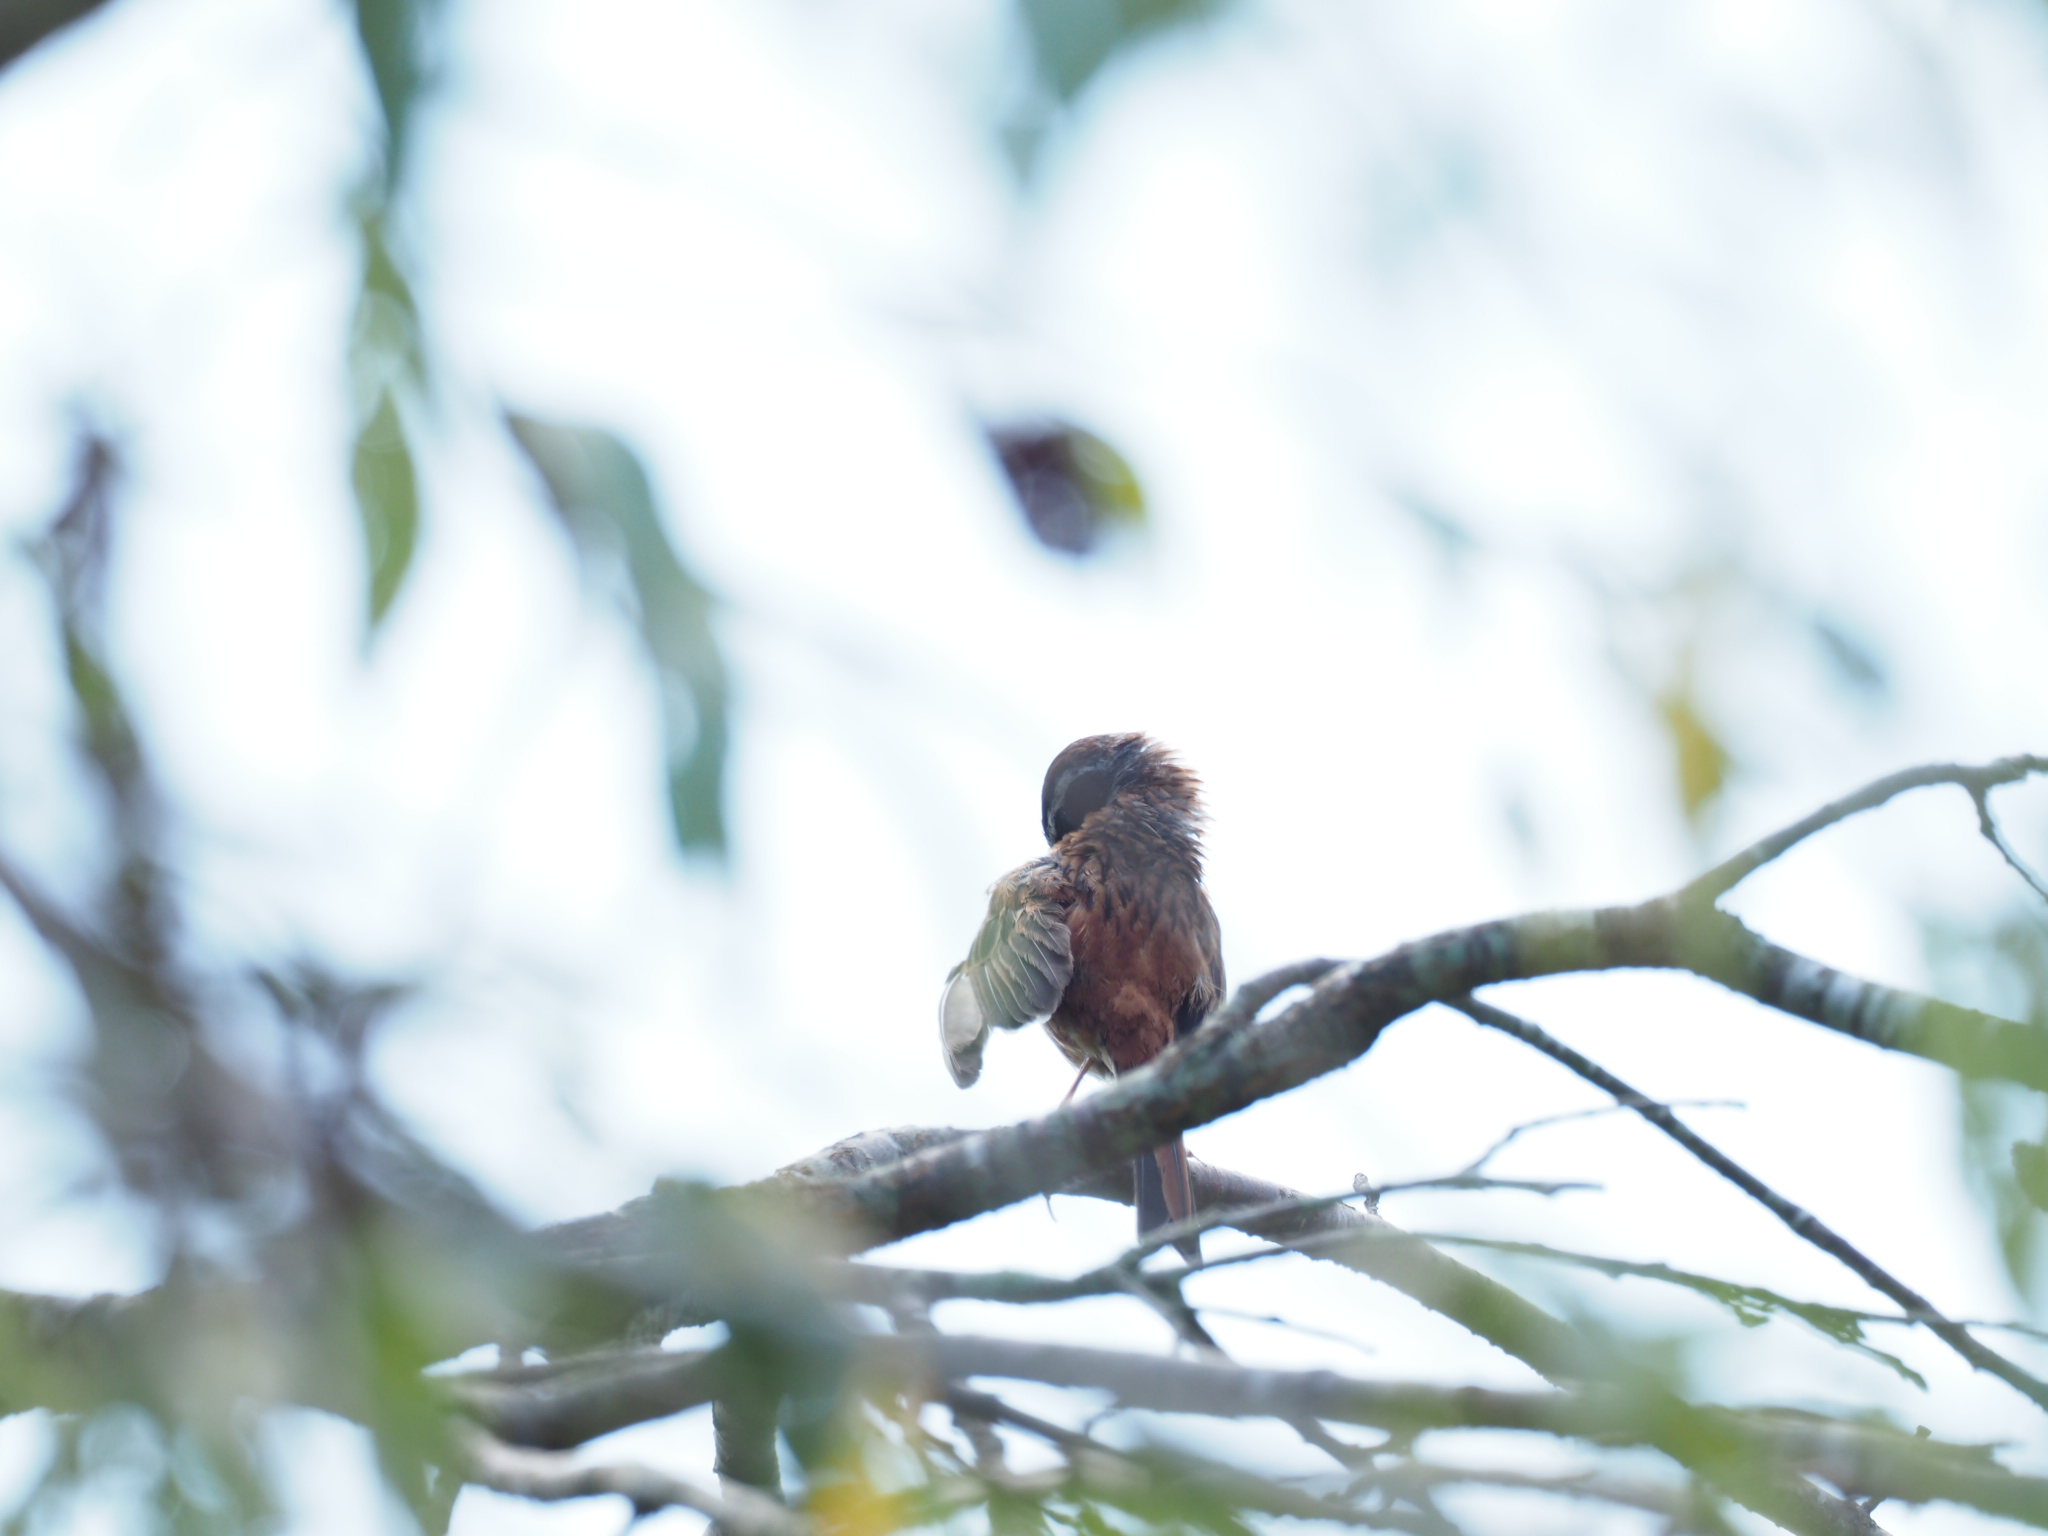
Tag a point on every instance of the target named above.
point(1647, 298)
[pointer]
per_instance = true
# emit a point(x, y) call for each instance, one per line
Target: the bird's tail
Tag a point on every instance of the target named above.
point(1166, 1194)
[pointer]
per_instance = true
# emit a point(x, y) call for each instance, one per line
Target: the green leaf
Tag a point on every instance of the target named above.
point(109, 736)
point(1751, 1305)
point(1702, 761)
point(604, 497)
point(391, 34)
point(1107, 479)
point(1071, 40)
point(384, 345)
point(2030, 1171)
point(387, 498)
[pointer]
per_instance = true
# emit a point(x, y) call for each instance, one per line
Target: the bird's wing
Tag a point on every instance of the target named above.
point(1017, 970)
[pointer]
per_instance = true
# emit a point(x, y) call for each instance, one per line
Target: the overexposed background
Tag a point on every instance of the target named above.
point(1494, 372)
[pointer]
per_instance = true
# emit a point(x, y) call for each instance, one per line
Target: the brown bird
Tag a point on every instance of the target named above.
point(1109, 939)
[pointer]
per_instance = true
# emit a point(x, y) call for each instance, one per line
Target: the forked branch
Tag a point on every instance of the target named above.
point(1803, 1222)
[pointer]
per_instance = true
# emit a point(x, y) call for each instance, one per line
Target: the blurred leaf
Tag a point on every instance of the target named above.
point(2030, 1171)
point(2004, 969)
point(788, 1346)
point(386, 362)
point(1169, 1500)
point(2007, 1171)
point(109, 737)
point(74, 556)
point(384, 344)
point(24, 23)
point(1073, 488)
point(604, 497)
point(851, 1505)
point(1702, 761)
point(1455, 543)
point(1071, 40)
point(387, 497)
point(392, 33)
point(1855, 663)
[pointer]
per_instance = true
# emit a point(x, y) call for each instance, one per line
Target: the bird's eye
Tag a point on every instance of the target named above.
point(1077, 795)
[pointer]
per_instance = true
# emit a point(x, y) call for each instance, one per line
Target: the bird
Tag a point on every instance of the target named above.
point(1108, 939)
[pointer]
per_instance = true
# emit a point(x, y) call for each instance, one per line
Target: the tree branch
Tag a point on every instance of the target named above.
point(1987, 824)
point(1688, 1509)
point(555, 1407)
point(551, 1476)
point(1090, 1458)
point(628, 1247)
point(1216, 1073)
point(1741, 1450)
point(1979, 781)
point(1803, 1222)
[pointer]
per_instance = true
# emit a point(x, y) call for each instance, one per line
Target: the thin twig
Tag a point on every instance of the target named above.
point(1544, 1122)
point(1803, 1222)
point(1689, 1508)
point(1467, 1181)
point(1091, 1459)
point(1988, 825)
point(1307, 1330)
point(1730, 872)
point(1746, 1448)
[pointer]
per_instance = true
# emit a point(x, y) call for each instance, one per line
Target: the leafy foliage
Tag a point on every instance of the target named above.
point(2003, 1127)
point(1750, 1305)
point(1071, 40)
point(387, 492)
point(387, 359)
point(1074, 489)
point(604, 497)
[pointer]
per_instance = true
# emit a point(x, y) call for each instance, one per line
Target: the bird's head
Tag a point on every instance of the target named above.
point(1091, 772)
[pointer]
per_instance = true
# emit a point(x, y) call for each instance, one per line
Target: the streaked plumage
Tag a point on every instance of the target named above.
point(1108, 940)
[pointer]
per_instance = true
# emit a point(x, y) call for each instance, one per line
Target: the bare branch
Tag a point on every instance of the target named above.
point(1304, 1330)
point(1475, 1301)
point(1979, 781)
point(629, 1246)
point(1091, 1460)
point(1743, 1451)
point(1802, 1222)
point(1856, 1458)
point(1471, 1181)
point(554, 1407)
point(1218, 1073)
point(1544, 1122)
point(1980, 795)
point(552, 1476)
